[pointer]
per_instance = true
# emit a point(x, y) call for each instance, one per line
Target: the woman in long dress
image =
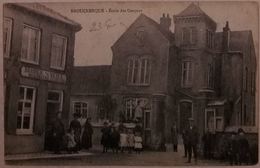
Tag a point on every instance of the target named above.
point(87, 135)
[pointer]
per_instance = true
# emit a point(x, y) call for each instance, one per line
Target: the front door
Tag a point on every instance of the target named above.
point(185, 110)
point(54, 104)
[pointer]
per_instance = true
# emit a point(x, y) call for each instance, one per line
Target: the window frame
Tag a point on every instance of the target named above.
point(9, 37)
point(215, 118)
point(22, 131)
point(131, 71)
point(64, 52)
point(189, 74)
point(38, 46)
point(61, 97)
point(81, 103)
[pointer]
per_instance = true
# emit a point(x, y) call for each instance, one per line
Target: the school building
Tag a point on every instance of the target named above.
point(164, 77)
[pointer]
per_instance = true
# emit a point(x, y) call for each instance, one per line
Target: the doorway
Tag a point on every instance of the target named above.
point(54, 104)
point(185, 112)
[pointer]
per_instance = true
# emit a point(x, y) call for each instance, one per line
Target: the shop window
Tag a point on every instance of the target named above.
point(30, 44)
point(139, 71)
point(7, 36)
point(25, 113)
point(58, 52)
point(81, 108)
point(213, 121)
point(186, 74)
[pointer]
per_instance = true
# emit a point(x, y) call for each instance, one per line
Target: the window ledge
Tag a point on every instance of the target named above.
point(29, 62)
point(138, 84)
point(57, 68)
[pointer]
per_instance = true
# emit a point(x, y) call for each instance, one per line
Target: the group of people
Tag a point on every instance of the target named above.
point(78, 136)
point(121, 138)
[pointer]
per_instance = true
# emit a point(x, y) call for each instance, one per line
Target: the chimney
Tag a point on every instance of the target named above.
point(165, 22)
point(226, 37)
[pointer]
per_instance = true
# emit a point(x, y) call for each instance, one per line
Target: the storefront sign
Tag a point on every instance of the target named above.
point(43, 75)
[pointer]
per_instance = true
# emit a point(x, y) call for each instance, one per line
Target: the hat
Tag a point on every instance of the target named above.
point(191, 119)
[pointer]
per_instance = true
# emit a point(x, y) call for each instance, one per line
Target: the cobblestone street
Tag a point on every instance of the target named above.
point(97, 158)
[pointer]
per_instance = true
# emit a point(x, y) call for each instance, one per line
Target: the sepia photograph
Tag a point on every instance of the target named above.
point(130, 83)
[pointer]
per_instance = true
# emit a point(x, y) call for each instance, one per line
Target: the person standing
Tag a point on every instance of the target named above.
point(87, 135)
point(232, 149)
point(105, 139)
point(207, 138)
point(76, 126)
point(192, 140)
point(58, 133)
point(243, 150)
point(185, 145)
point(71, 144)
point(115, 139)
point(174, 134)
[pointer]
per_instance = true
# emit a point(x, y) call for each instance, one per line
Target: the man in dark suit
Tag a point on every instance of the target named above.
point(192, 140)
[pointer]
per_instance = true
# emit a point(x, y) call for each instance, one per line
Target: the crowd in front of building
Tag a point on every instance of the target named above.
point(160, 85)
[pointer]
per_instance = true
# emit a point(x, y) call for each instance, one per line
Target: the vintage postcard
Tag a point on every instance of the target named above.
point(134, 83)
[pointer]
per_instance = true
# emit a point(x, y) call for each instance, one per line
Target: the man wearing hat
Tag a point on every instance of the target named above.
point(192, 140)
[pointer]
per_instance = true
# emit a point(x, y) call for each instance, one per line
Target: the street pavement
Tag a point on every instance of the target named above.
point(95, 157)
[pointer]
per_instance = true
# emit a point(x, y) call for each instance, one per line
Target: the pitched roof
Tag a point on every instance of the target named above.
point(43, 10)
point(238, 40)
point(90, 80)
point(193, 10)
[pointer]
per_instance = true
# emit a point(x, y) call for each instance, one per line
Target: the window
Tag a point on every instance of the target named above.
point(25, 113)
point(30, 44)
point(186, 74)
point(139, 71)
point(213, 121)
point(58, 52)
point(133, 106)
point(253, 83)
point(246, 79)
point(209, 38)
point(189, 35)
point(147, 120)
point(209, 76)
point(81, 108)
point(56, 97)
point(7, 36)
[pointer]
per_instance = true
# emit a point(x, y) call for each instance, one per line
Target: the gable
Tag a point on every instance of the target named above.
point(142, 30)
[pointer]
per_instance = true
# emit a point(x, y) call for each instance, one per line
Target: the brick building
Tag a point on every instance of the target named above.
point(193, 72)
point(164, 77)
point(38, 59)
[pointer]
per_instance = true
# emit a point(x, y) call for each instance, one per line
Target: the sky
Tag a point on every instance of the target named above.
point(100, 30)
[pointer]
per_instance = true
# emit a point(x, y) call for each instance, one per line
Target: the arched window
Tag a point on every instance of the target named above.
point(139, 71)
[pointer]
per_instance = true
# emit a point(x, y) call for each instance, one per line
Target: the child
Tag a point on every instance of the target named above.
point(138, 142)
point(71, 143)
point(130, 140)
point(123, 140)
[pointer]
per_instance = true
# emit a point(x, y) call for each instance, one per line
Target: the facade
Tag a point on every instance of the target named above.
point(194, 72)
point(38, 59)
